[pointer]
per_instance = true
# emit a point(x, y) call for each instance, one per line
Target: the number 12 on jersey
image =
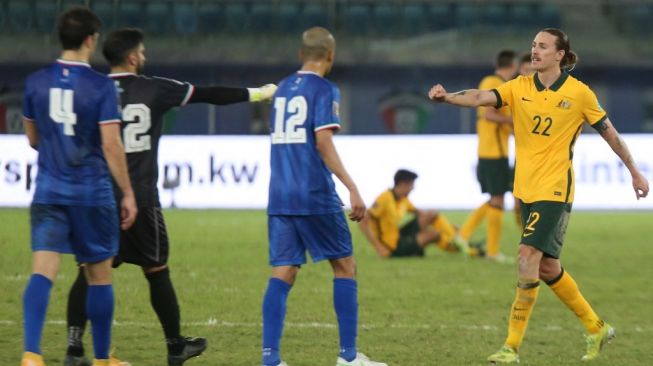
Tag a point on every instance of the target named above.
point(288, 131)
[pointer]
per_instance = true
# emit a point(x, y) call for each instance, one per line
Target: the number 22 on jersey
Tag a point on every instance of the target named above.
point(288, 130)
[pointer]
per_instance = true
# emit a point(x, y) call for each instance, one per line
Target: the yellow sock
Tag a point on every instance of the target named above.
point(567, 291)
point(473, 221)
point(494, 221)
point(446, 230)
point(522, 308)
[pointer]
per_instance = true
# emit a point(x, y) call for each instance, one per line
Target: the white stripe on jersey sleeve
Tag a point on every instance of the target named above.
point(189, 94)
point(330, 125)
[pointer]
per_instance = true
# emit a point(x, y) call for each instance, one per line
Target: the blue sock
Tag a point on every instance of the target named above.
point(99, 309)
point(35, 306)
point(274, 312)
point(345, 301)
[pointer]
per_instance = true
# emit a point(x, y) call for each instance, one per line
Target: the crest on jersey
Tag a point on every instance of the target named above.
point(564, 104)
point(336, 109)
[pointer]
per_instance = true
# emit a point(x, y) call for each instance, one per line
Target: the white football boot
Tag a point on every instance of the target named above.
point(360, 360)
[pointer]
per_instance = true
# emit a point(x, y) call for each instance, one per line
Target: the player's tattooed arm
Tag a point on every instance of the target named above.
point(463, 98)
point(618, 145)
point(601, 127)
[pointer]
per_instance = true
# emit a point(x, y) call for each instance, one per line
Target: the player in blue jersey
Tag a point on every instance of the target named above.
point(304, 211)
point(71, 116)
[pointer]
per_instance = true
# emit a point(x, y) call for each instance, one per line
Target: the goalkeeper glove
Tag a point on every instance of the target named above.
point(264, 93)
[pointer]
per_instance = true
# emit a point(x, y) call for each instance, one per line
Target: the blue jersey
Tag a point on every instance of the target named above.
point(300, 182)
point(69, 101)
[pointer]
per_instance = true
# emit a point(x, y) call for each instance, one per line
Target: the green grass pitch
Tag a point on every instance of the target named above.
point(440, 310)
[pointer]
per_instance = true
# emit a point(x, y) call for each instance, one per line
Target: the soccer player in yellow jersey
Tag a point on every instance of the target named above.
point(493, 127)
point(397, 229)
point(548, 109)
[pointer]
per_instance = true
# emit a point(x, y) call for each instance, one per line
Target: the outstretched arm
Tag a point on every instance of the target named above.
point(464, 98)
point(221, 95)
point(618, 145)
point(327, 150)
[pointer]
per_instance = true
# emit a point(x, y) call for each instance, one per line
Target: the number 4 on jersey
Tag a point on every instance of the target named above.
point(61, 109)
point(287, 131)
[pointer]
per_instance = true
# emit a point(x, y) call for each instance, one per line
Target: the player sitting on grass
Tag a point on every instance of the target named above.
point(395, 228)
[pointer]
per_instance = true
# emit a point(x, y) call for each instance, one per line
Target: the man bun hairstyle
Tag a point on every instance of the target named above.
point(570, 59)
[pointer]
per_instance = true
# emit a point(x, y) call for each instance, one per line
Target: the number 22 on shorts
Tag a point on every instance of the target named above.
point(533, 218)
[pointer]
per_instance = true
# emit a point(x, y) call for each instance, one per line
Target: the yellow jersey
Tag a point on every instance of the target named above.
point(389, 214)
point(492, 136)
point(547, 122)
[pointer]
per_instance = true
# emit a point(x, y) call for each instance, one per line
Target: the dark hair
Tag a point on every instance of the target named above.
point(75, 25)
point(403, 175)
point(120, 43)
point(526, 58)
point(570, 59)
point(506, 58)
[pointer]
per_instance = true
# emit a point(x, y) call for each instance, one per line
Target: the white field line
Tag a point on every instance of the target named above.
point(215, 323)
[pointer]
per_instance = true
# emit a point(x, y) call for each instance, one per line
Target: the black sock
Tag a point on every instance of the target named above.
point(76, 315)
point(164, 302)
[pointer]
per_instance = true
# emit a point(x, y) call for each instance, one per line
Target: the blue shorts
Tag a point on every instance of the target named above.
point(90, 232)
point(324, 236)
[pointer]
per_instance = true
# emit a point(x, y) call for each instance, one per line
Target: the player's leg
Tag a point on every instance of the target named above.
point(535, 235)
point(498, 182)
point(95, 237)
point(522, 307)
point(494, 224)
point(76, 321)
point(50, 231)
point(478, 215)
point(565, 287)
point(286, 254)
point(274, 311)
point(99, 305)
point(35, 303)
point(543, 235)
point(328, 237)
point(474, 220)
point(442, 232)
point(436, 228)
point(163, 299)
point(146, 244)
point(345, 303)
